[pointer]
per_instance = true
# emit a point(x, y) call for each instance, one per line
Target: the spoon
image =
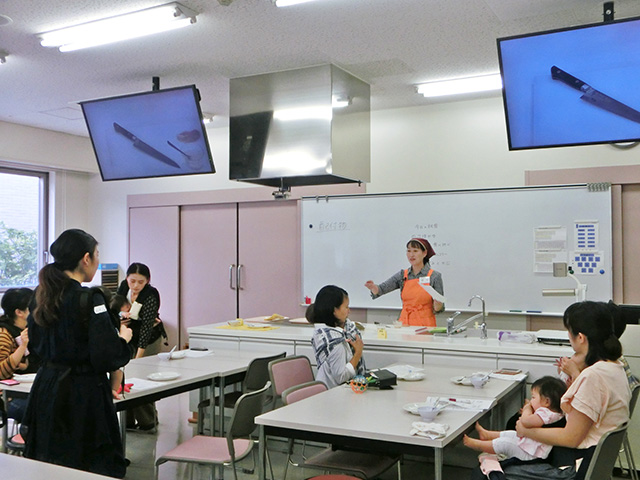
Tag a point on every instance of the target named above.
point(172, 350)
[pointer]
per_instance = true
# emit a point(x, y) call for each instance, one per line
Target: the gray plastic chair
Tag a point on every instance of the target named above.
point(626, 445)
point(605, 455)
point(221, 451)
point(256, 377)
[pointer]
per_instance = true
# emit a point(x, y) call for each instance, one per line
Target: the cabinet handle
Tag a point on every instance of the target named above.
point(231, 268)
point(239, 277)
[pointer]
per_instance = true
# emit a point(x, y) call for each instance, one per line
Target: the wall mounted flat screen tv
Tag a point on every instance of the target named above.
point(575, 86)
point(151, 134)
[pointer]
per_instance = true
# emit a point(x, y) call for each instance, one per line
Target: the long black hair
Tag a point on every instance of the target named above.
point(328, 299)
point(68, 249)
point(140, 269)
point(595, 321)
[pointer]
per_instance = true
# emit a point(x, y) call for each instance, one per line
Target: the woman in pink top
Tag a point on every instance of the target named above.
point(596, 402)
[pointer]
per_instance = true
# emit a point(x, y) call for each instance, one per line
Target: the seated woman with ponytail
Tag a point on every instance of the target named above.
point(70, 418)
point(596, 402)
point(14, 339)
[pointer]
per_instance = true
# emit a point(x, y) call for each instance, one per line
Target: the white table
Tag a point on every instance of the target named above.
point(207, 373)
point(20, 468)
point(375, 419)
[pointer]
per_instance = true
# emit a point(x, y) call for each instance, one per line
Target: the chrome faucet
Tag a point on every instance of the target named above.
point(483, 325)
point(451, 329)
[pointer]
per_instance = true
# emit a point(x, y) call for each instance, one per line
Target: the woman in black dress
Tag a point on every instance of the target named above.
point(143, 319)
point(70, 418)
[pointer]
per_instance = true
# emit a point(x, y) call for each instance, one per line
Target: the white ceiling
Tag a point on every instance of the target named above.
point(391, 44)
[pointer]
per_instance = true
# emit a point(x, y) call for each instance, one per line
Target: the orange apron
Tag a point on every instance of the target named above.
point(417, 304)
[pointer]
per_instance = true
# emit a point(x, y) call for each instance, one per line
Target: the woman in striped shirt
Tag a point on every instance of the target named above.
point(13, 333)
point(14, 339)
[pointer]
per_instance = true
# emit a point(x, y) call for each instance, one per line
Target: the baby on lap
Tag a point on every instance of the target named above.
point(542, 409)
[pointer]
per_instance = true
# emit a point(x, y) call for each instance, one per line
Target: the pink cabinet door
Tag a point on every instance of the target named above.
point(154, 241)
point(207, 265)
point(269, 258)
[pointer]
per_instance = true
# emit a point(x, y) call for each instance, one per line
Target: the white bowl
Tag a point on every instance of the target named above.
point(428, 412)
point(478, 381)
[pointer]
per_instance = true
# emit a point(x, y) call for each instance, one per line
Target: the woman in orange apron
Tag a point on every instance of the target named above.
point(418, 306)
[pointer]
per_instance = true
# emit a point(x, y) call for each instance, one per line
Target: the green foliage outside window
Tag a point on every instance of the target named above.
point(18, 257)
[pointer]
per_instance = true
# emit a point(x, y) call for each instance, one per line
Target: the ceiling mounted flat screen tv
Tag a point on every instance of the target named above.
point(575, 86)
point(151, 134)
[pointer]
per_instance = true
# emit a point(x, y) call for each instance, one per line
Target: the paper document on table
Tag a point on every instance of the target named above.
point(513, 377)
point(403, 370)
point(140, 384)
point(431, 291)
point(459, 403)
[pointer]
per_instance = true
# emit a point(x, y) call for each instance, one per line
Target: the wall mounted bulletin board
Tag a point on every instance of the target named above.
point(497, 243)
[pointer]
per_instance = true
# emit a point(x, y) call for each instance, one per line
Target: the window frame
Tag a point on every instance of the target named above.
point(43, 211)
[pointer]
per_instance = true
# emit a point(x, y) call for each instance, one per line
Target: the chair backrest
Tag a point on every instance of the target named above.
point(288, 372)
point(258, 372)
point(247, 408)
point(634, 398)
point(302, 391)
point(606, 453)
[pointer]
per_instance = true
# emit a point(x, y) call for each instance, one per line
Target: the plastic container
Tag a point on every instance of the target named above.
point(516, 337)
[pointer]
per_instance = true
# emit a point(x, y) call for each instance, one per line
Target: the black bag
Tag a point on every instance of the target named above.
point(157, 332)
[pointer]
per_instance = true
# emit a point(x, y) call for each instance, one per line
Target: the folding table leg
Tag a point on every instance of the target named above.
point(438, 463)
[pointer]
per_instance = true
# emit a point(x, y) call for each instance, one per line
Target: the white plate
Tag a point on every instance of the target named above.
point(25, 377)
point(163, 376)
point(412, 377)
point(413, 407)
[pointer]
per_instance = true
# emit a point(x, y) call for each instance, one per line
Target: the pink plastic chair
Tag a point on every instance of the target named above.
point(333, 477)
point(220, 451)
point(288, 372)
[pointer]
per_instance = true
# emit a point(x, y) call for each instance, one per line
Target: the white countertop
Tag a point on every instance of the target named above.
point(402, 337)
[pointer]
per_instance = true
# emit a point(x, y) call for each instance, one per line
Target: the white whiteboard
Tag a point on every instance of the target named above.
point(484, 243)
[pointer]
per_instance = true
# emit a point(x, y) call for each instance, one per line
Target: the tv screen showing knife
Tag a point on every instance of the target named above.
point(150, 134)
point(573, 86)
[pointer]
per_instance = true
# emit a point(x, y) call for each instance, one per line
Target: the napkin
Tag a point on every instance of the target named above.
point(429, 430)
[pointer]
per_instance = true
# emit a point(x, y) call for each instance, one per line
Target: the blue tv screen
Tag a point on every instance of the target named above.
point(575, 86)
point(151, 134)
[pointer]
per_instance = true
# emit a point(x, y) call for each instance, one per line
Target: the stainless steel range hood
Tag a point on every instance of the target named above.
point(309, 126)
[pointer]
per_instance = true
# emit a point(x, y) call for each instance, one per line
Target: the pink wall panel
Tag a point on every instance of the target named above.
point(269, 236)
point(153, 240)
point(208, 249)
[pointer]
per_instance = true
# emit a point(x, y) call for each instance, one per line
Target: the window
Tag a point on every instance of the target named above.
point(23, 226)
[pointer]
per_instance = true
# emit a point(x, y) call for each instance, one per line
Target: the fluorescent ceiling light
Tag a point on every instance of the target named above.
point(288, 3)
point(121, 27)
point(458, 86)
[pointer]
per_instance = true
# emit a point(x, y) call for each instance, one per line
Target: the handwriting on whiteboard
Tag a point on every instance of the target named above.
point(322, 227)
